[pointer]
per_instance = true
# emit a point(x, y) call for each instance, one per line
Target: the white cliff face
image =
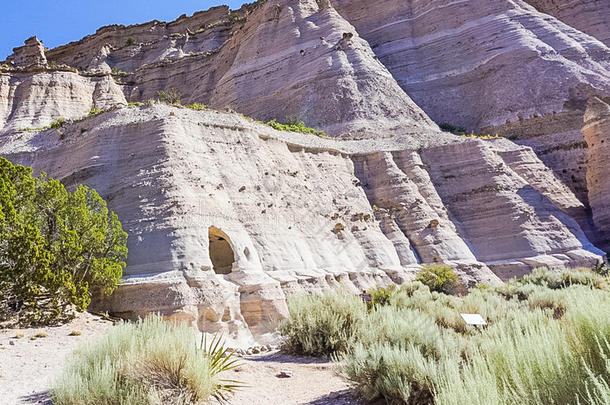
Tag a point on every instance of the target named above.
point(474, 63)
point(498, 67)
point(227, 217)
point(35, 100)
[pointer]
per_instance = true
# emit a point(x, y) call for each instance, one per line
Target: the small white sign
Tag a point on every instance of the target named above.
point(473, 319)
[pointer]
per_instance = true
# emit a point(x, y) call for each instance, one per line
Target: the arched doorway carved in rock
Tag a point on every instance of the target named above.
point(221, 251)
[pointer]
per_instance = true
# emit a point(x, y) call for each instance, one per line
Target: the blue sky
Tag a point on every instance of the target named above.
point(57, 22)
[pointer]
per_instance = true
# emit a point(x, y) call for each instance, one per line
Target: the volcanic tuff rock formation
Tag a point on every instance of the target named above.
point(597, 135)
point(227, 216)
point(588, 16)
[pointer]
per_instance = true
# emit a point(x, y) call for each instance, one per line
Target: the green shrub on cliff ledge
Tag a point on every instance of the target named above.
point(56, 248)
point(294, 126)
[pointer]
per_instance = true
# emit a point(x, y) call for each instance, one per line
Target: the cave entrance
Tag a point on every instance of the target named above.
point(221, 252)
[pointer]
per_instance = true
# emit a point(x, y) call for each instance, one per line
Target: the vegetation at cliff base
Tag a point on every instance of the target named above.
point(57, 248)
point(151, 362)
point(547, 341)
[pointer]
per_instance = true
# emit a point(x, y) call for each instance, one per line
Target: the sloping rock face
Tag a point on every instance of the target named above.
point(32, 101)
point(482, 66)
point(588, 16)
point(498, 67)
point(245, 60)
point(597, 135)
point(227, 216)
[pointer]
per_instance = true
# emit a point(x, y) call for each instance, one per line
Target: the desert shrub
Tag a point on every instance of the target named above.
point(130, 41)
point(196, 106)
point(95, 111)
point(134, 104)
point(406, 326)
point(118, 72)
point(171, 96)
point(56, 248)
point(294, 126)
point(380, 296)
point(557, 280)
point(547, 342)
point(58, 123)
point(148, 362)
point(438, 277)
point(398, 373)
point(322, 325)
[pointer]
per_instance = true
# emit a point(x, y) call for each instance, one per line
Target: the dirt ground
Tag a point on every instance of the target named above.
point(28, 368)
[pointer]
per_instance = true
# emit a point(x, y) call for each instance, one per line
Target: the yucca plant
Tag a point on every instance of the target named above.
point(221, 360)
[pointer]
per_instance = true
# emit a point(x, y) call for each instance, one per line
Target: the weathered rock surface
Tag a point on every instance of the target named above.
point(31, 53)
point(299, 213)
point(499, 67)
point(227, 216)
point(30, 101)
point(597, 135)
point(588, 16)
point(480, 63)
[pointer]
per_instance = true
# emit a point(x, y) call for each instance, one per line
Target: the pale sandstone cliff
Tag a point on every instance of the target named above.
point(589, 16)
point(481, 62)
point(301, 213)
point(597, 135)
point(226, 216)
point(498, 67)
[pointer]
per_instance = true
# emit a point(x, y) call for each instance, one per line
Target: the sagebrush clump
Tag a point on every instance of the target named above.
point(146, 363)
point(547, 341)
point(321, 326)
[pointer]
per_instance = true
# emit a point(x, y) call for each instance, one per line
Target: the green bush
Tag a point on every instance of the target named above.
point(149, 362)
point(196, 106)
point(56, 248)
point(438, 277)
point(95, 111)
point(324, 325)
point(171, 96)
point(58, 123)
point(381, 296)
point(118, 72)
point(295, 126)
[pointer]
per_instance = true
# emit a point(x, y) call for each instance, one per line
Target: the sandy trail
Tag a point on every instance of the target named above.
point(313, 382)
point(28, 368)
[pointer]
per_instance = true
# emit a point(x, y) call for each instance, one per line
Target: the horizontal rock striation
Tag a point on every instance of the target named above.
point(298, 213)
point(589, 16)
point(481, 63)
point(32, 101)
